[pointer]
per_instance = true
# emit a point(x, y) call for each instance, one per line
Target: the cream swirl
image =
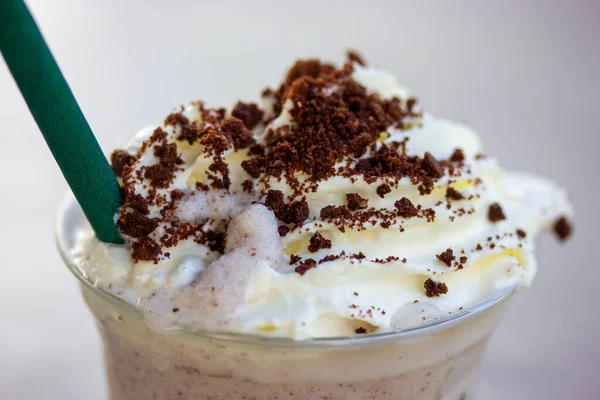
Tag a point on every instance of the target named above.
point(407, 223)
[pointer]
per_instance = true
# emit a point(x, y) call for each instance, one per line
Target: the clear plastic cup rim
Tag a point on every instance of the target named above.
point(71, 224)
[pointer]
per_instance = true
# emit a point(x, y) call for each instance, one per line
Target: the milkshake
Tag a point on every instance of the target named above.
point(332, 241)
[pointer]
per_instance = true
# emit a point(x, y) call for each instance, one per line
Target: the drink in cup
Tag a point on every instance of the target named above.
point(332, 241)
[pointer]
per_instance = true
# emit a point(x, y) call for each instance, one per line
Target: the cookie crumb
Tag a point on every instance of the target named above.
point(305, 266)
point(353, 56)
point(453, 194)
point(432, 166)
point(119, 159)
point(283, 230)
point(406, 208)
point(383, 189)
point(318, 242)
point(435, 289)
point(495, 213)
point(446, 257)
point(356, 202)
point(457, 156)
point(563, 228)
point(248, 113)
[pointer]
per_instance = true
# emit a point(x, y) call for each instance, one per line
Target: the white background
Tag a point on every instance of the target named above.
point(523, 73)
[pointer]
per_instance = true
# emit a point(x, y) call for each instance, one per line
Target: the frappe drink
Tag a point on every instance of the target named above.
point(332, 241)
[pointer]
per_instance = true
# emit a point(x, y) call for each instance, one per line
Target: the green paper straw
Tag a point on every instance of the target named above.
point(60, 119)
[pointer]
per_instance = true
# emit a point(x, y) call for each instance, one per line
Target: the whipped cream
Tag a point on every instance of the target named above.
point(216, 240)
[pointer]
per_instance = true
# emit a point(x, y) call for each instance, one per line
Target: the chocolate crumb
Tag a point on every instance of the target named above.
point(136, 225)
point(145, 249)
point(457, 156)
point(360, 330)
point(168, 154)
point(298, 212)
point(446, 257)
point(383, 189)
point(360, 144)
point(435, 289)
point(453, 194)
point(283, 230)
point(215, 241)
point(136, 202)
point(521, 234)
point(330, 212)
point(295, 213)
point(159, 174)
point(355, 57)
point(248, 113)
point(356, 202)
point(176, 119)
point(308, 68)
point(432, 166)
point(294, 258)
point(175, 309)
point(235, 131)
point(305, 266)
point(257, 149)
point(495, 213)
point(563, 228)
point(330, 257)
point(191, 133)
point(253, 167)
point(406, 208)
point(317, 242)
point(275, 202)
point(119, 159)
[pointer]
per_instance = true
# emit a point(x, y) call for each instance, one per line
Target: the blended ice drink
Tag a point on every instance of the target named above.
point(333, 241)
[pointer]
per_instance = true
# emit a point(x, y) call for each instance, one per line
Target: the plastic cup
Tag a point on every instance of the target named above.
point(438, 360)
